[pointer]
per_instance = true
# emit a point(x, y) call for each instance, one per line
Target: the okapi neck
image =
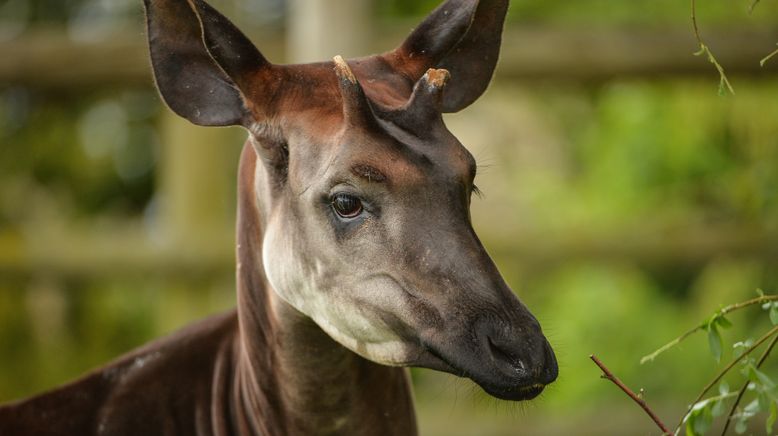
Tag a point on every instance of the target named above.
point(291, 377)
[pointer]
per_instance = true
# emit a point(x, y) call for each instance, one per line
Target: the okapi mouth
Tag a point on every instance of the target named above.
point(493, 380)
point(524, 393)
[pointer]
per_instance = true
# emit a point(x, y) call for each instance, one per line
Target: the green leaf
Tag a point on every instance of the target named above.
point(723, 322)
point(751, 409)
point(764, 402)
point(718, 408)
point(714, 341)
point(742, 346)
point(723, 388)
point(703, 422)
point(770, 423)
point(690, 420)
point(741, 426)
point(759, 292)
point(760, 377)
point(774, 315)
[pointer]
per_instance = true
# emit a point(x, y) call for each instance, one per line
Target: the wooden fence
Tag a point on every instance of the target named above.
point(195, 238)
point(47, 58)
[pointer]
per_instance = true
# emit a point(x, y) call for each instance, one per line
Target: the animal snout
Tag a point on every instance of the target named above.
point(522, 355)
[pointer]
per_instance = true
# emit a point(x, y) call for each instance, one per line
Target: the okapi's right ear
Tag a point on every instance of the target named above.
point(462, 37)
point(202, 63)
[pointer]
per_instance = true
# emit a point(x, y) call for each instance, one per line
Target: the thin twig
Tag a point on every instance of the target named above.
point(767, 58)
point(747, 303)
point(745, 386)
point(752, 6)
point(724, 372)
point(724, 311)
point(723, 80)
point(607, 374)
point(694, 22)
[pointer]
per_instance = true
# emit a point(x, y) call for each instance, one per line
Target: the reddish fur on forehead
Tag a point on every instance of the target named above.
point(383, 164)
point(368, 172)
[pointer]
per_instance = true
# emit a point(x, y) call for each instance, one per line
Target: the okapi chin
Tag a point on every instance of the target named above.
point(356, 255)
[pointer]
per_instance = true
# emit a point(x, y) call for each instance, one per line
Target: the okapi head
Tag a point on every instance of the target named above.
point(363, 191)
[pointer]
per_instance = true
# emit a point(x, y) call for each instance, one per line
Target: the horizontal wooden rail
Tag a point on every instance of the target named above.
point(115, 253)
point(679, 249)
point(131, 253)
point(49, 58)
point(602, 54)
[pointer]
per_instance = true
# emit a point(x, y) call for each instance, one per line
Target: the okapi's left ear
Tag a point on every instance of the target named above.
point(461, 36)
point(203, 65)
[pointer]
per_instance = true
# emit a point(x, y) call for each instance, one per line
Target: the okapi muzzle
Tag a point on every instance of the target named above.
point(363, 193)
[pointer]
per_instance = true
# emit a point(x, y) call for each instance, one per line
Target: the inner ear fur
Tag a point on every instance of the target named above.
point(202, 63)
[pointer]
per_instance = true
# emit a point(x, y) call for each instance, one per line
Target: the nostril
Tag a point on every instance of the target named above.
point(496, 351)
point(499, 354)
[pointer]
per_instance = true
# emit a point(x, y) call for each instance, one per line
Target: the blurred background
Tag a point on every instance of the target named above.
point(624, 198)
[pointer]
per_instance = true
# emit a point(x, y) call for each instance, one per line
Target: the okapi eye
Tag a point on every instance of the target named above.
point(347, 206)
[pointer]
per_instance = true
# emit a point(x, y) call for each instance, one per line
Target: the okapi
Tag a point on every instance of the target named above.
point(356, 256)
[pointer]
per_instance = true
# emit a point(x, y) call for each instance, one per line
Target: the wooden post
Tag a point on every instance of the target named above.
point(321, 29)
point(196, 187)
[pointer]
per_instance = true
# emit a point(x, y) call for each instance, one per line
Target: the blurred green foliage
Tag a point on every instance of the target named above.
point(86, 154)
point(596, 12)
point(666, 152)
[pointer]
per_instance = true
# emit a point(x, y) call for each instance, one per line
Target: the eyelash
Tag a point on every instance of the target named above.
point(478, 192)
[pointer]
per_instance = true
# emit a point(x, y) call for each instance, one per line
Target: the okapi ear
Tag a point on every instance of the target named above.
point(201, 61)
point(461, 36)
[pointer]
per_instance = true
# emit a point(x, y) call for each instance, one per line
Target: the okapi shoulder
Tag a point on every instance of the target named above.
point(150, 391)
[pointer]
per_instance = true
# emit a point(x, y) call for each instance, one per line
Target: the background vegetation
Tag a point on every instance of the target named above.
point(622, 211)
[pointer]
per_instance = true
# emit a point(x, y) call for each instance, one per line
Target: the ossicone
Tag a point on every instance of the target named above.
point(427, 98)
point(357, 109)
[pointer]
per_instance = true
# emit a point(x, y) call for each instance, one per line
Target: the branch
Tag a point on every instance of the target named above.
point(609, 376)
point(723, 80)
point(745, 386)
point(724, 311)
point(767, 58)
point(724, 372)
point(752, 6)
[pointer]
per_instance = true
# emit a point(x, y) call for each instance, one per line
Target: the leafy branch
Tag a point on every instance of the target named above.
point(724, 84)
point(713, 323)
point(742, 392)
point(701, 413)
point(721, 374)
